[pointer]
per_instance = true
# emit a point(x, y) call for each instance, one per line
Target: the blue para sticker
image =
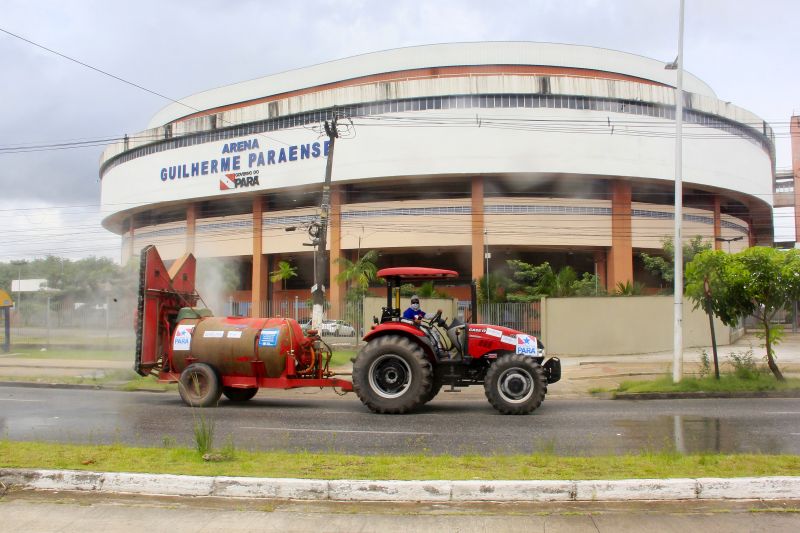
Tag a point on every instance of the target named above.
point(268, 337)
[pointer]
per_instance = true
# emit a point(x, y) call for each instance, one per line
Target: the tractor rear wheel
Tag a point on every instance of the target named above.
point(436, 387)
point(199, 385)
point(515, 384)
point(391, 375)
point(236, 394)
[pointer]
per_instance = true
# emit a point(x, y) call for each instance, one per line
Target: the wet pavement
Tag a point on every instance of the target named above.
point(454, 423)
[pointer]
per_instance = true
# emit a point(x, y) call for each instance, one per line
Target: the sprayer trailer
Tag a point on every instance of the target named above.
point(403, 365)
point(210, 356)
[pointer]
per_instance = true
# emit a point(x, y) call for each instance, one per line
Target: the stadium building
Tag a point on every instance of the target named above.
point(523, 150)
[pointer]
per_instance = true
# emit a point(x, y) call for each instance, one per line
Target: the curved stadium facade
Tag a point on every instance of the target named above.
point(529, 151)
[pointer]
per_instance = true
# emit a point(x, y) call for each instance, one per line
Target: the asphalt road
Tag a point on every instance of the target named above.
point(459, 423)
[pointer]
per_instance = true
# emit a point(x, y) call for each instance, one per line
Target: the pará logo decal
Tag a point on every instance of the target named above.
point(238, 180)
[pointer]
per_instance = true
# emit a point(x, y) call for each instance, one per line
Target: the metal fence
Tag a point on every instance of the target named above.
point(347, 327)
point(786, 316)
point(42, 322)
point(38, 322)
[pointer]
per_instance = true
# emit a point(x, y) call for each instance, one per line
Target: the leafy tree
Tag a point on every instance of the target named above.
point(528, 281)
point(496, 288)
point(285, 271)
point(707, 287)
point(758, 281)
point(531, 282)
point(588, 285)
point(90, 280)
point(663, 265)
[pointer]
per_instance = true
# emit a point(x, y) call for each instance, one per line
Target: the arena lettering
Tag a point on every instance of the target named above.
point(255, 158)
point(241, 146)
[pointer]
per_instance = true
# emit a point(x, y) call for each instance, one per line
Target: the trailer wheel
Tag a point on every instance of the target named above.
point(391, 375)
point(515, 384)
point(236, 394)
point(199, 385)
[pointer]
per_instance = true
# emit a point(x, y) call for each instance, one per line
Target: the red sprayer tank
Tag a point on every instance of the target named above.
point(209, 355)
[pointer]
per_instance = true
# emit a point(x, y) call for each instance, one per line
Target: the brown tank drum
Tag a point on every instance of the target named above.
point(239, 346)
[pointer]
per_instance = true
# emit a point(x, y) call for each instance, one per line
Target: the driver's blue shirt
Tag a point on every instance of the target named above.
point(410, 314)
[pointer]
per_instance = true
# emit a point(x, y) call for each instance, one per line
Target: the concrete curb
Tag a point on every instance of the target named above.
point(761, 488)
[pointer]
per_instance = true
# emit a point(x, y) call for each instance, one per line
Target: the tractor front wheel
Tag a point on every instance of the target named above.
point(199, 385)
point(391, 375)
point(515, 384)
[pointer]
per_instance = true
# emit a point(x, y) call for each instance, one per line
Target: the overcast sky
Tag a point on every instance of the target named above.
point(747, 51)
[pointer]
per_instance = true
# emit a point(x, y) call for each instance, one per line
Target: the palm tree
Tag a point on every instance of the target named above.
point(285, 271)
point(359, 272)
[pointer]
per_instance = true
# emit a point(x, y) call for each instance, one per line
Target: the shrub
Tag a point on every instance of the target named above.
point(744, 367)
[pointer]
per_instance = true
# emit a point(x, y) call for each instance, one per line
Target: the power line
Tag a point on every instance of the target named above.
point(114, 76)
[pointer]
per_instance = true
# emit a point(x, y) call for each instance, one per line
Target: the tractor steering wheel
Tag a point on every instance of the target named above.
point(436, 318)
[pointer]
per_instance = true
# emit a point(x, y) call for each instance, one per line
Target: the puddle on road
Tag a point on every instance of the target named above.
point(697, 434)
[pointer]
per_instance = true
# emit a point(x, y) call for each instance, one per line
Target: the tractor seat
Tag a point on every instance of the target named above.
point(455, 333)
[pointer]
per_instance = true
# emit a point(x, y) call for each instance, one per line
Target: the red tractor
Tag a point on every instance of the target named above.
point(402, 366)
point(406, 363)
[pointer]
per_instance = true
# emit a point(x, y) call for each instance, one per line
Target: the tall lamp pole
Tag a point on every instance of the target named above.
point(677, 356)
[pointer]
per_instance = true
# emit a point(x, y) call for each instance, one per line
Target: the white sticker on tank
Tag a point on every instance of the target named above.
point(235, 334)
point(213, 334)
point(509, 340)
point(494, 332)
point(183, 338)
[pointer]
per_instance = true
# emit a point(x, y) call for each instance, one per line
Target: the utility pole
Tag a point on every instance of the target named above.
point(677, 346)
point(321, 259)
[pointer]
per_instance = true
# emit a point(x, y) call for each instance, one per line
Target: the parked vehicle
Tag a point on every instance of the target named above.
point(344, 329)
point(333, 328)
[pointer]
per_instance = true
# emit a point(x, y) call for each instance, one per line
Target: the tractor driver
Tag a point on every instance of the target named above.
point(414, 312)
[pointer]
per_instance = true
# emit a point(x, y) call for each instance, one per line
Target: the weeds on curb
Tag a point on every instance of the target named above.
point(705, 364)
point(203, 434)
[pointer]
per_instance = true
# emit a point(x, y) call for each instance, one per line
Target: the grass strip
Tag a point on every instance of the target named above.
point(178, 460)
point(726, 383)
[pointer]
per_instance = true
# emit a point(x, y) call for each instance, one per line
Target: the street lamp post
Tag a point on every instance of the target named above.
point(677, 347)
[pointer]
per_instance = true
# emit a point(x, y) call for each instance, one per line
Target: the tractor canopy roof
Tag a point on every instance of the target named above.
point(416, 273)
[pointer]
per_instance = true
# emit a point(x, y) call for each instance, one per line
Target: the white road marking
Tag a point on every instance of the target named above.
point(18, 400)
point(339, 431)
